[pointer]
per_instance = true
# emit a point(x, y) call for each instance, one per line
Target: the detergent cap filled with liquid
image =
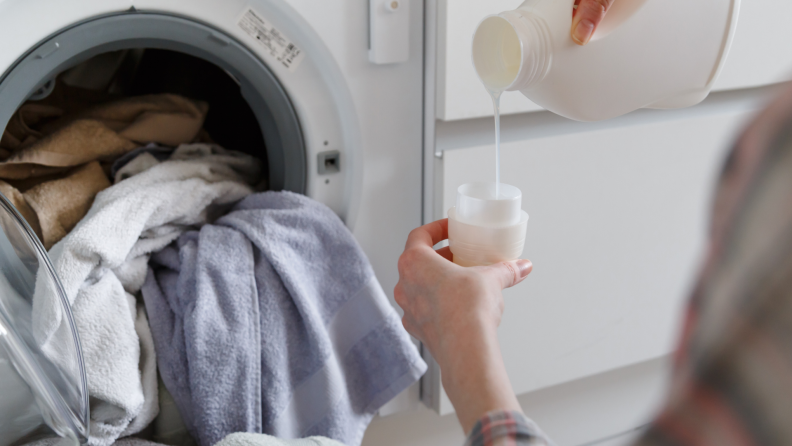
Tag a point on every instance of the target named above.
point(487, 225)
point(645, 53)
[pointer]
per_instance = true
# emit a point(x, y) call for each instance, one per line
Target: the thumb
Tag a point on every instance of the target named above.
point(508, 274)
point(588, 15)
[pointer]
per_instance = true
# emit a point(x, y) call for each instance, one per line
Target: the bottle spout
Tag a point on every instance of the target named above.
point(512, 50)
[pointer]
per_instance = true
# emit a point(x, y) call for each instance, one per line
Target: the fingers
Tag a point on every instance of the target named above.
point(446, 253)
point(508, 274)
point(588, 15)
point(429, 234)
point(399, 297)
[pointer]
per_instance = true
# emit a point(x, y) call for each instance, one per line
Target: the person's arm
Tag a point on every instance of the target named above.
point(455, 312)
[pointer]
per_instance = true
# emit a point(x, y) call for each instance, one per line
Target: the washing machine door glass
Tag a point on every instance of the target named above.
point(42, 377)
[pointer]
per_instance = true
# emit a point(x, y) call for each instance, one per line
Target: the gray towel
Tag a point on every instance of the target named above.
point(65, 442)
point(102, 264)
point(241, 439)
point(271, 320)
point(238, 439)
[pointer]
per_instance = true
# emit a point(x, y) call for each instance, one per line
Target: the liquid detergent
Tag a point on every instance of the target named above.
point(487, 225)
point(645, 53)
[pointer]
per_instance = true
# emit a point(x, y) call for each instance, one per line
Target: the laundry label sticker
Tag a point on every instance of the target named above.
point(273, 41)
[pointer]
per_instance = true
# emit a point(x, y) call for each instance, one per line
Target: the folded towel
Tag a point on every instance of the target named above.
point(245, 439)
point(38, 142)
point(54, 207)
point(271, 320)
point(21, 129)
point(102, 264)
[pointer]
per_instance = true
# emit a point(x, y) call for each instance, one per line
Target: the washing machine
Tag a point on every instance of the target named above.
point(333, 90)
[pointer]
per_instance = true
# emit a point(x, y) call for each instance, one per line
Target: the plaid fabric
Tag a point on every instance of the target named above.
point(732, 383)
point(733, 378)
point(506, 428)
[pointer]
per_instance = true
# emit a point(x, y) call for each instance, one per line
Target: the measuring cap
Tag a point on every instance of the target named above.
point(484, 228)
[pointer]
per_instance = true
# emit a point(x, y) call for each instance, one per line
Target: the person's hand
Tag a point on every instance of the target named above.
point(441, 299)
point(587, 17)
point(455, 312)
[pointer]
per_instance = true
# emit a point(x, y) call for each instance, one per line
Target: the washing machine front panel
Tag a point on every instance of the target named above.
point(314, 82)
point(371, 114)
point(23, 24)
point(315, 94)
point(315, 90)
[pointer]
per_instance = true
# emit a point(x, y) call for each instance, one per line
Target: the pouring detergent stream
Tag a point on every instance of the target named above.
point(496, 95)
point(625, 66)
point(487, 225)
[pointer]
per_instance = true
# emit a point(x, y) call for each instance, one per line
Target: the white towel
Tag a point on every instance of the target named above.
point(266, 440)
point(102, 265)
point(231, 440)
point(121, 442)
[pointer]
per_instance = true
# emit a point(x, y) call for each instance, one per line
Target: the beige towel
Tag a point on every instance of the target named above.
point(53, 208)
point(39, 142)
point(19, 132)
point(52, 159)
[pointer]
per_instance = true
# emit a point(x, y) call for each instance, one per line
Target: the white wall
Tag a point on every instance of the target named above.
point(577, 413)
point(619, 213)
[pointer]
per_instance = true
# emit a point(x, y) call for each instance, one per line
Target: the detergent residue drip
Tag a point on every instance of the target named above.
point(496, 95)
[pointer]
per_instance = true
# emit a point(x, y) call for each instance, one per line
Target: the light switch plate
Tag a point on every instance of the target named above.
point(389, 31)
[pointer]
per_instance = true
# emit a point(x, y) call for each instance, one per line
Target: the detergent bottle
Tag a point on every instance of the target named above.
point(645, 53)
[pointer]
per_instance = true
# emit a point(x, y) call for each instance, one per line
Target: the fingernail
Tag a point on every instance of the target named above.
point(582, 33)
point(525, 267)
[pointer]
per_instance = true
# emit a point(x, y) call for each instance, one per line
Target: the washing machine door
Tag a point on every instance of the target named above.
point(43, 392)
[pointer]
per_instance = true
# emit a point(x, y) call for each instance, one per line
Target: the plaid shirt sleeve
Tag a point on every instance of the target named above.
point(506, 428)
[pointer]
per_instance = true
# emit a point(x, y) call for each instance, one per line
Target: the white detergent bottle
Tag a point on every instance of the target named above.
point(645, 53)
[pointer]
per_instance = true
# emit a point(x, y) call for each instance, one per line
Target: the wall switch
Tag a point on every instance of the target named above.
point(389, 31)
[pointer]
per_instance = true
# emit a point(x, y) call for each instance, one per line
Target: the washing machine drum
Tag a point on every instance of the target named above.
point(43, 390)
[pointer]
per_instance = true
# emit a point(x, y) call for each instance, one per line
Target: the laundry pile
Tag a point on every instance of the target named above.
point(54, 163)
point(219, 308)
